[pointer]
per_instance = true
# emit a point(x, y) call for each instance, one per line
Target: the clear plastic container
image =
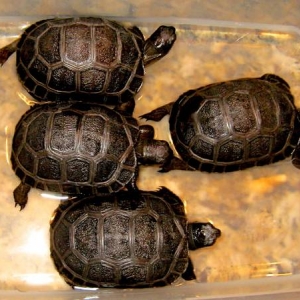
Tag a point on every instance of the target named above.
point(258, 210)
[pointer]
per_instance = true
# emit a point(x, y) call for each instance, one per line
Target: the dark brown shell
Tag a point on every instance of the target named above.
point(62, 59)
point(236, 124)
point(128, 239)
point(71, 149)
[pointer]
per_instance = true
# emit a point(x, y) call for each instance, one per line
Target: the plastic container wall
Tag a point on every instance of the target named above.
point(257, 210)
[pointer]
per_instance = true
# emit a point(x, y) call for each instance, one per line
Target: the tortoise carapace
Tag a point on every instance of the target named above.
point(67, 59)
point(127, 239)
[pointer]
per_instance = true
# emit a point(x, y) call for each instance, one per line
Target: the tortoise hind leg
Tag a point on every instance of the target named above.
point(189, 272)
point(21, 195)
point(7, 51)
point(157, 114)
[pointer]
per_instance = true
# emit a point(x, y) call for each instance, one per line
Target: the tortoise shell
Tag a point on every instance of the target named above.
point(121, 240)
point(235, 124)
point(62, 59)
point(71, 149)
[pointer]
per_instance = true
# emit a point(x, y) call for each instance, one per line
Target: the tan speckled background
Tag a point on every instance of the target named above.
point(258, 210)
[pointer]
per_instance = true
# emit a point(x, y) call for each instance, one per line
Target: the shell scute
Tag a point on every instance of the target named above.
point(78, 170)
point(77, 44)
point(28, 52)
point(48, 46)
point(106, 46)
point(38, 68)
point(116, 237)
point(92, 80)
point(48, 168)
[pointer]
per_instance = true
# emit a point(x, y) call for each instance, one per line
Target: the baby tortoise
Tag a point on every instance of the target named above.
point(81, 149)
point(127, 239)
point(233, 125)
point(67, 59)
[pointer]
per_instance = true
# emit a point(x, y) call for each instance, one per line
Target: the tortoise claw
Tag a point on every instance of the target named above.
point(22, 206)
point(21, 195)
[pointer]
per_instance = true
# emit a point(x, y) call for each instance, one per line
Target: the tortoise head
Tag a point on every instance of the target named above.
point(159, 44)
point(150, 150)
point(202, 235)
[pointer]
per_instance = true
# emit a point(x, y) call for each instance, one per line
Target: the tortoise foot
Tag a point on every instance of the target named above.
point(21, 195)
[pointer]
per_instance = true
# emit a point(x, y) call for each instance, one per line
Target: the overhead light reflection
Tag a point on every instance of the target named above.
point(80, 288)
point(54, 196)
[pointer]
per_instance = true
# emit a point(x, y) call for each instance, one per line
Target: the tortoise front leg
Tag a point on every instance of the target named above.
point(127, 107)
point(7, 51)
point(296, 157)
point(21, 195)
point(175, 163)
point(296, 153)
point(157, 114)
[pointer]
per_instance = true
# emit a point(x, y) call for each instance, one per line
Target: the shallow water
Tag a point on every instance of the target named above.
point(258, 210)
